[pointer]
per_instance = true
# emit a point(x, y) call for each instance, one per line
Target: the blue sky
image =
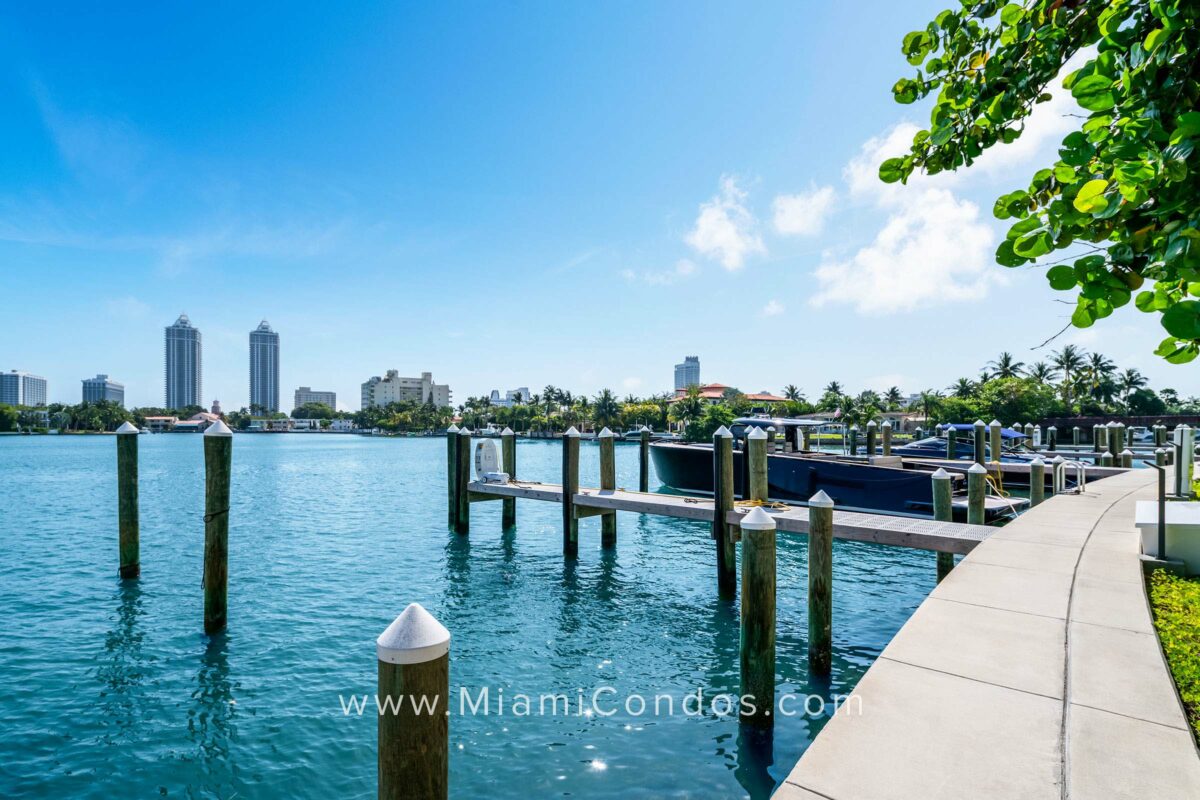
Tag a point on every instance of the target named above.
point(504, 194)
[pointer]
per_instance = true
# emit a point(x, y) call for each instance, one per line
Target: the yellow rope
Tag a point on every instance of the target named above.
point(761, 504)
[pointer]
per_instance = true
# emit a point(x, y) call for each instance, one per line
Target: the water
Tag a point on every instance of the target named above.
point(111, 688)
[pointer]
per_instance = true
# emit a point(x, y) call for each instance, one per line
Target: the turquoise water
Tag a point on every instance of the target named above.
point(111, 688)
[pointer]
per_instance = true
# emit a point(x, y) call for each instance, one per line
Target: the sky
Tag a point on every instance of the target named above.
point(504, 194)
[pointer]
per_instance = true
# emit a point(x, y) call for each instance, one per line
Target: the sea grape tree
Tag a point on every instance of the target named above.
point(1124, 195)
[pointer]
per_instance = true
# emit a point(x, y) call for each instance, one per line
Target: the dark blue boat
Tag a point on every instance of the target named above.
point(935, 447)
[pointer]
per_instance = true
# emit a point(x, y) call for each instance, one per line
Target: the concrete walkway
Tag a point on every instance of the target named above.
point(1032, 671)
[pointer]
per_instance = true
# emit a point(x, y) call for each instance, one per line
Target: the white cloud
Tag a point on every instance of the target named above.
point(631, 383)
point(803, 214)
point(773, 308)
point(683, 269)
point(725, 229)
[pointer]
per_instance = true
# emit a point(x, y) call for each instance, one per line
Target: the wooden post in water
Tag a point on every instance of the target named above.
point(127, 502)
point(1037, 482)
point(570, 487)
point(1160, 435)
point(723, 494)
point(608, 480)
point(1029, 430)
point(1114, 440)
point(976, 492)
point(805, 438)
point(951, 442)
point(1127, 458)
point(758, 617)
point(644, 459)
point(886, 434)
point(820, 583)
point(872, 429)
point(508, 463)
point(853, 443)
point(462, 477)
point(1052, 438)
point(1098, 437)
point(413, 691)
point(218, 460)
point(943, 511)
point(452, 473)
point(979, 430)
point(994, 439)
point(1106, 459)
point(756, 460)
point(1075, 436)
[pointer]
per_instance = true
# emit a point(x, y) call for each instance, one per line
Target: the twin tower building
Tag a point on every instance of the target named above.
point(183, 363)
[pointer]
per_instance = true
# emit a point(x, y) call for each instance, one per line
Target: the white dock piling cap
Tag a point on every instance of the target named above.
point(1127, 452)
point(1037, 462)
point(452, 429)
point(507, 431)
point(757, 433)
point(571, 431)
point(1052, 428)
point(414, 637)
point(871, 424)
point(820, 500)
point(606, 433)
point(940, 475)
point(854, 427)
point(977, 469)
point(887, 423)
point(218, 428)
point(644, 428)
point(757, 520)
point(1058, 460)
point(723, 432)
point(127, 427)
point(994, 424)
point(464, 431)
point(979, 423)
point(1112, 424)
point(1160, 450)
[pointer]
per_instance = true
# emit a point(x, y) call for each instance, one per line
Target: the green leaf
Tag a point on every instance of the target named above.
point(1082, 318)
point(1186, 126)
point(1011, 14)
point(1145, 301)
point(1090, 199)
point(906, 91)
point(891, 170)
point(1061, 277)
point(1154, 39)
point(916, 46)
point(1005, 256)
point(1176, 352)
point(1093, 92)
point(1182, 320)
point(1034, 245)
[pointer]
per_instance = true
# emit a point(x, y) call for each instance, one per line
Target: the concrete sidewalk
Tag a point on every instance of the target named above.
point(1032, 671)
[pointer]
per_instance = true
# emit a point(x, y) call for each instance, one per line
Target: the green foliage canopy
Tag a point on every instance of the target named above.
point(1125, 186)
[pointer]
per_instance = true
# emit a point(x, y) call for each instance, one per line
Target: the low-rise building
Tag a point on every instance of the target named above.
point(161, 424)
point(715, 393)
point(511, 398)
point(392, 388)
point(341, 425)
point(305, 395)
point(22, 389)
point(102, 387)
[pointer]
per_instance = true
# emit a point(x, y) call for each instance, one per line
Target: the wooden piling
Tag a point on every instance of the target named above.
point(570, 486)
point(1052, 438)
point(644, 459)
point(756, 460)
point(1114, 441)
point(1160, 435)
point(1106, 459)
point(1160, 457)
point(723, 499)
point(872, 430)
point(508, 464)
point(979, 431)
point(608, 480)
point(1127, 458)
point(414, 714)
point(976, 492)
point(994, 440)
point(1098, 438)
point(758, 618)
point(462, 478)
point(129, 558)
point(951, 443)
point(1037, 482)
point(805, 439)
point(452, 473)
point(886, 437)
point(853, 443)
point(1075, 440)
point(943, 511)
point(820, 583)
point(218, 460)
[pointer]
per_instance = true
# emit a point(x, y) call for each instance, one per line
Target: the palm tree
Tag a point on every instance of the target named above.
point(834, 388)
point(606, 409)
point(892, 398)
point(1130, 381)
point(1042, 372)
point(963, 387)
point(1069, 361)
point(929, 401)
point(791, 392)
point(1006, 367)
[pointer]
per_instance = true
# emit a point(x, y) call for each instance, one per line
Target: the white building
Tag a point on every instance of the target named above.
point(392, 388)
point(102, 387)
point(688, 373)
point(22, 389)
point(305, 395)
point(511, 398)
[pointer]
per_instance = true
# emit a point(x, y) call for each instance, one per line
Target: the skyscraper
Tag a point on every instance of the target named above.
point(183, 364)
point(688, 373)
point(264, 369)
point(102, 387)
point(22, 389)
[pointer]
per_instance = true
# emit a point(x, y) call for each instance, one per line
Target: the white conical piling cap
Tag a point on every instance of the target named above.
point(994, 424)
point(1127, 452)
point(1058, 460)
point(414, 637)
point(887, 423)
point(977, 469)
point(647, 428)
point(507, 431)
point(940, 475)
point(723, 432)
point(1053, 428)
point(464, 431)
point(820, 500)
point(1112, 424)
point(606, 433)
point(1074, 428)
point(218, 428)
point(1160, 450)
point(128, 427)
point(871, 424)
point(854, 427)
point(571, 431)
point(980, 423)
point(1037, 462)
point(757, 520)
point(756, 433)
point(452, 429)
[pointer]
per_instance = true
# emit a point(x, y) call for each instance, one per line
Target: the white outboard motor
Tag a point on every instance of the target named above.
point(487, 463)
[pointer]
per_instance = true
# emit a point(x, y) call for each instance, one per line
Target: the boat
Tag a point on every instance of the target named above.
point(964, 446)
point(635, 435)
point(884, 484)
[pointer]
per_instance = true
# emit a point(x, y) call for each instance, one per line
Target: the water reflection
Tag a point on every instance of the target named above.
point(124, 669)
point(755, 755)
point(458, 570)
point(569, 615)
point(211, 722)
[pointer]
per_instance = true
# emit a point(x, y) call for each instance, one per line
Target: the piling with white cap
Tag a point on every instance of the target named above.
point(976, 492)
point(570, 487)
point(1075, 436)
point(943, 511)
point(872, 435)
point(1185, 449)
point(1099, 438)
point(1114, 440)
point(886, 430)
point(1052, 438)
point(414, 707)
point(1058, 475)
point(758, 617)
point(1160, 435)
point(853, 443)
point(218, 460)
point(820, 583)
point(756, 458)
point(451, 473)
point(1160, 457)
point(127, 502)
point(462, 479)
point(723, 493)
point(951, 442)
point(1037, 482)
point(608, 480)
point(979, 430)
point(1127, 458)
point(1106, 458)
point(994, 429)
point(508, 456)
point(644, 459)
